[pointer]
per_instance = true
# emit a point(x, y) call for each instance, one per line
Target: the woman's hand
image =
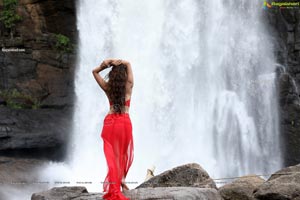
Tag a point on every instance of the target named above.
point(105, 64)
point(108, 63)
point(102, 66)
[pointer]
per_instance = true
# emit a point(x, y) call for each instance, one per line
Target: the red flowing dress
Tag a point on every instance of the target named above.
point(118, 149)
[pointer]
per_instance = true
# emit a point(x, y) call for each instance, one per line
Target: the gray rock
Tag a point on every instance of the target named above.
point(20, 68)
point(57, 193)
point(242, 188)
point(192, 175)
point(173, 193)
point(285, 171)
point(158, 193)
point(34, 128)
point(283, 185)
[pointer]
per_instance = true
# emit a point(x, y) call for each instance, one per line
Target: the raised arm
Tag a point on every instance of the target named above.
point(102, 83)
point(129, 72)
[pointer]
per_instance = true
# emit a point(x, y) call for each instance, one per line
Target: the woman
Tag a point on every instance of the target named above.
point(117, 128)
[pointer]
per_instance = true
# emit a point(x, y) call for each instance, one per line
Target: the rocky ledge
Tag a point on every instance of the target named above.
point(190, 181)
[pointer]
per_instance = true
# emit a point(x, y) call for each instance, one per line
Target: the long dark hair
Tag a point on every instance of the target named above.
point(117, 87)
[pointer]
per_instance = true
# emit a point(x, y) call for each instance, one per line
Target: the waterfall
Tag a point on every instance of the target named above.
point(204, 88)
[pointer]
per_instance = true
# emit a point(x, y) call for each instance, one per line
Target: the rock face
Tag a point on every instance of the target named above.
point(34, 132)
point(40, 70)
point(242, 188)
point(285, 31)
point(43, 72)
point(192, 175)
point(282, 185)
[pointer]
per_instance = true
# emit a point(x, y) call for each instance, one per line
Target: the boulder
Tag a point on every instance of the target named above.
point(174, 193)
point(285, 171)
point(158, 193)
point(189, 175)
point(57, 193)
point(242, 188)
point(282, 185)
point(188, 181)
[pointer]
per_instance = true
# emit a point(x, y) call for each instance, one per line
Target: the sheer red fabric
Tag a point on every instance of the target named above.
point(118, 149)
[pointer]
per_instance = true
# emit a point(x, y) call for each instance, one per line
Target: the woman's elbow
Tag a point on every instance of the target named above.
point(94, 71)
point(125, 62)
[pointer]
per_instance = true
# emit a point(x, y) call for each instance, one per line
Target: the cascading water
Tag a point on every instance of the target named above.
point(204, 88)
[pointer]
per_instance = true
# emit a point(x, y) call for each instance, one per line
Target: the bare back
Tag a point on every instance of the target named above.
point(127, 97)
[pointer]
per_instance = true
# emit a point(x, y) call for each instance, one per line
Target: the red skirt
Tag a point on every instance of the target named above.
point(118, 150)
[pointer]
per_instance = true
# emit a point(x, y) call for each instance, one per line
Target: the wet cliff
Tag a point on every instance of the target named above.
point(37, 65)
point(285, 31)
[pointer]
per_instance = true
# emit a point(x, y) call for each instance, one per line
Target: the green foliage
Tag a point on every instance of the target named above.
point(8, 15)
point(63, 43)
point(18, 100)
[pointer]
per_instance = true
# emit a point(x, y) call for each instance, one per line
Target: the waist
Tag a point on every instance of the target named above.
point(111, 118)
point(125, 114)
